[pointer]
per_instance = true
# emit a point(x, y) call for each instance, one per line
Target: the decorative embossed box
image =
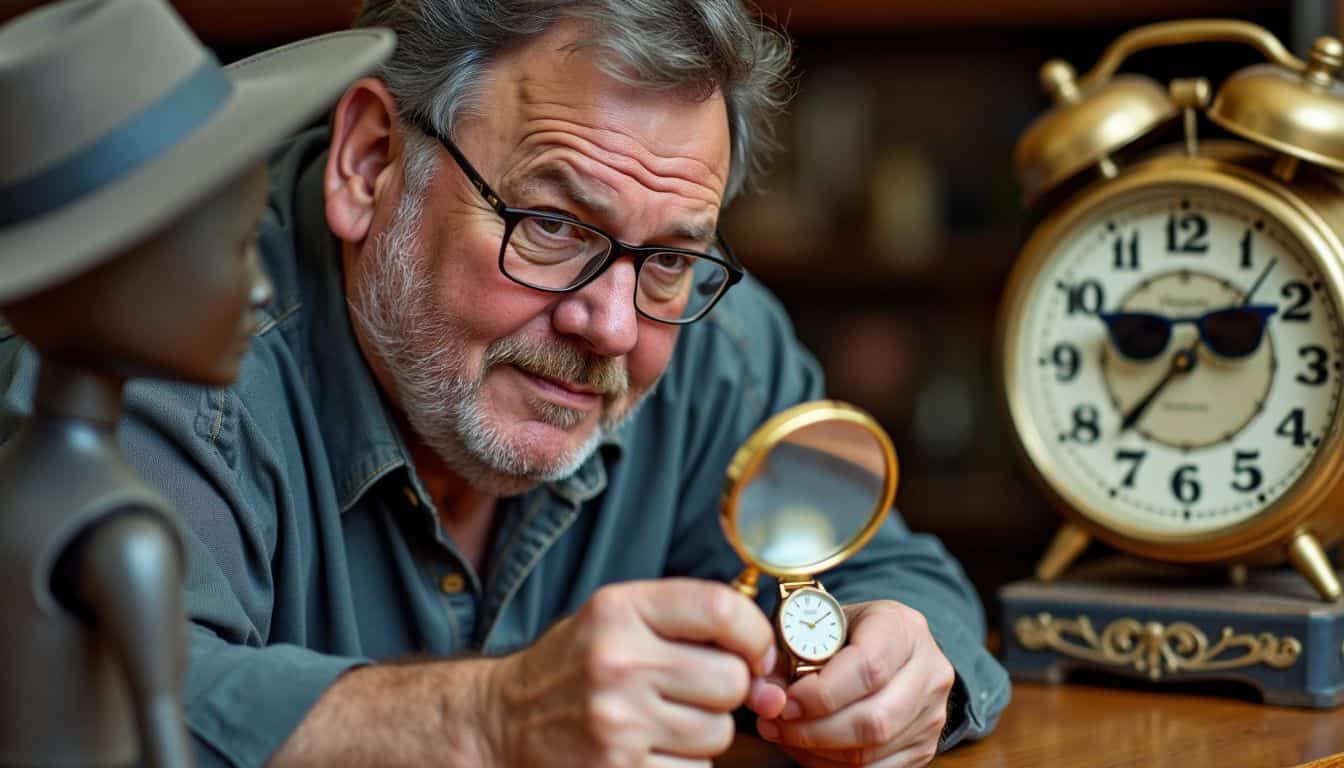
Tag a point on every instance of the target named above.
point(1166, 623)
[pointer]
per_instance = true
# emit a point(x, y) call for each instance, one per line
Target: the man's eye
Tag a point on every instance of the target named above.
point(555, 229)
point(674, 262)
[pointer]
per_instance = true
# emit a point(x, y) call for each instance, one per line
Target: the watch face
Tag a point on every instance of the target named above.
point(812, 624)
point(1178, 359)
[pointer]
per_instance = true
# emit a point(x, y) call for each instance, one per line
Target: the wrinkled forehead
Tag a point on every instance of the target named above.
point(553, 84)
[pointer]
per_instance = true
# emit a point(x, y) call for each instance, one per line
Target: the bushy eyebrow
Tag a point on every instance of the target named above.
point(563, 181)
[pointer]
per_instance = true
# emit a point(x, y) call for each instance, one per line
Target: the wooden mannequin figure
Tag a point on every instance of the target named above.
point(131, 187)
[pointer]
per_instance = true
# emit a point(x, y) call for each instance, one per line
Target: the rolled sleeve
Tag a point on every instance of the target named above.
point(243, 702)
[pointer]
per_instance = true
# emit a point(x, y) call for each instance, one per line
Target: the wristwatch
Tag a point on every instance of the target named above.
point(811, 625)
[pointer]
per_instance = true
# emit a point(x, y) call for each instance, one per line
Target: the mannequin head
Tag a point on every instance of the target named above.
point(178, 304)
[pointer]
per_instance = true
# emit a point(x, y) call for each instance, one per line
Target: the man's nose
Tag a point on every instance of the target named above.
point(602, 313)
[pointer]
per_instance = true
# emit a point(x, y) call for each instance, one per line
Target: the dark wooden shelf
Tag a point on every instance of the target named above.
point(259, 23)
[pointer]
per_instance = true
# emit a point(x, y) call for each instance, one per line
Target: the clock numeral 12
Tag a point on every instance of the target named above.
point(1193, 227)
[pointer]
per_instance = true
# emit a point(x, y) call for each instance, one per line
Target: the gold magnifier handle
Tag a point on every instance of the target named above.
point(1169, 33)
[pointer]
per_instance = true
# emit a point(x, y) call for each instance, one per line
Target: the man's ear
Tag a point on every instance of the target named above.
point(365, 146)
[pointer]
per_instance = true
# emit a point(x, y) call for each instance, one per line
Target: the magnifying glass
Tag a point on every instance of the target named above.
point(805, 492)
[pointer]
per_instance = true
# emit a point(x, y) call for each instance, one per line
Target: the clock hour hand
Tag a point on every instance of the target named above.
point(1182, 362)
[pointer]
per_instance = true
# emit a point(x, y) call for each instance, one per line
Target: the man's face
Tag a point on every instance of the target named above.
point(511, 386)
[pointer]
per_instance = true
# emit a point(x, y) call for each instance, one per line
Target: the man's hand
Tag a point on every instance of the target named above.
point(881, 701)
point(645, 674)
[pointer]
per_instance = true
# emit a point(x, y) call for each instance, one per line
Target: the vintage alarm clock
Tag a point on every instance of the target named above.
point(1171, 336)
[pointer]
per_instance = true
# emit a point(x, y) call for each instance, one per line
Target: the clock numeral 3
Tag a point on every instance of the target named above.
point(1316, 359)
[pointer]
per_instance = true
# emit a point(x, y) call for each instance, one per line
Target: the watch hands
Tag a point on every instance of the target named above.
point(1183, 361)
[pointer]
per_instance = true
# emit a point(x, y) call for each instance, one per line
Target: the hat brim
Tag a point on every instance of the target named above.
point(275, 93)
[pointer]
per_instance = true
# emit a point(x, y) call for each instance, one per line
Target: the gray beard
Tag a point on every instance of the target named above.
point(425, 358)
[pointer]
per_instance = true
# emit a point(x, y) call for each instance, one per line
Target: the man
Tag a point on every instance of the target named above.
point(481, 436)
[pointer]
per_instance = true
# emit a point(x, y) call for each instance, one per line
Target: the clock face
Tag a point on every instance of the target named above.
point(812, 624)
point(1178, 356)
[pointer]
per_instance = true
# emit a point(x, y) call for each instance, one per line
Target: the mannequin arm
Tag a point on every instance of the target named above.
point(125, 575)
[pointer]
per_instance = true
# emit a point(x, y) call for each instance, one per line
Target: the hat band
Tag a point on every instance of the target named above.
point(133, 144)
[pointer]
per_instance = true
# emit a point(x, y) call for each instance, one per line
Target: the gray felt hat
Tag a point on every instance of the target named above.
point(116, 120)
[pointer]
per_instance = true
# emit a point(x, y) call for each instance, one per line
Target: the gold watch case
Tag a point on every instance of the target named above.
point(802, 660)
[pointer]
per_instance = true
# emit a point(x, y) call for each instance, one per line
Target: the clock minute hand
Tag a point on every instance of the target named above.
point(1182, 362)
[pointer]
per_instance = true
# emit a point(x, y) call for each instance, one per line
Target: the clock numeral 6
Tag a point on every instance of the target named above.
point(1184, 485)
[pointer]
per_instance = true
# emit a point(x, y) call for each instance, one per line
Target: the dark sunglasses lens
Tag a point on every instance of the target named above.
point(1233, 332)
point(1138, 335)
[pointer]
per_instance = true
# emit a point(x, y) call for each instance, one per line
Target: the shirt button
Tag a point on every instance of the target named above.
point(452, 583)
point(411, 495)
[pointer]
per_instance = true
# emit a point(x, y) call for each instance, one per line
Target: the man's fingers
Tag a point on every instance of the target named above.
point(889, 715)
point(859, 670)
point(704, 612)
point(690, 732)
point(702, 676)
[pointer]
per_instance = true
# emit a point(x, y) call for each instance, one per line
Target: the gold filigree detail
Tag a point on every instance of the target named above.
point(1154, 648)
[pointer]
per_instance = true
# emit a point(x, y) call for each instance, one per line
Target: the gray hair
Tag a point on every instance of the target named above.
point(693, 47)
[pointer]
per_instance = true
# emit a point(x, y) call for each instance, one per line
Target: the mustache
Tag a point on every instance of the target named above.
point(561, 361)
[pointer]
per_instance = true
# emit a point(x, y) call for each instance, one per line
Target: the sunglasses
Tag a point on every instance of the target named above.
point(1231, 332)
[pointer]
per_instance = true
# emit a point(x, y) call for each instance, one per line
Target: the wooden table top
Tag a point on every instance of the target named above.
point(1079, 726)
point(1073, 725)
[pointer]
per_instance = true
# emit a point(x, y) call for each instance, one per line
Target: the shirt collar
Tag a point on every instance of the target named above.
point(362, 439)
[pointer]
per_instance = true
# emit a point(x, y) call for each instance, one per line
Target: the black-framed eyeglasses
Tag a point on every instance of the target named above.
point(1230, 332)
point(556, 253)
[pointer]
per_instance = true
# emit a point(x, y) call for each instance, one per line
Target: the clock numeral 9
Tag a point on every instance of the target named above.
point(1193, 229)
point(1316, 357)
point(1300, 294)
point(1087, 297)
point(1086, 429)
point(1248, 475)
point(1184, 485)
point(1067, 360)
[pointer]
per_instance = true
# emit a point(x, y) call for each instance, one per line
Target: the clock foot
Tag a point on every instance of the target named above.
point(1238, 574)
point(1068, 544)
point(1307, 556)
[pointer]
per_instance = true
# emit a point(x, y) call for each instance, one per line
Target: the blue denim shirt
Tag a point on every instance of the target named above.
point(313, 547)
